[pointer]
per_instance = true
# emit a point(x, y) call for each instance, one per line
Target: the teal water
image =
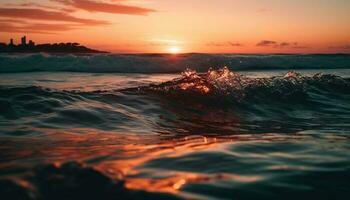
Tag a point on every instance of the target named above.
point(217, 135)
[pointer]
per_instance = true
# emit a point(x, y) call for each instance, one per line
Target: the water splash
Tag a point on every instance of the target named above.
point(225, 83)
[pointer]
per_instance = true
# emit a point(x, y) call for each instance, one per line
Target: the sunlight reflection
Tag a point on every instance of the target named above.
point(122, 156)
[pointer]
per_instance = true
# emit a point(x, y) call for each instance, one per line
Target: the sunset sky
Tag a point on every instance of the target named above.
point(208, 26)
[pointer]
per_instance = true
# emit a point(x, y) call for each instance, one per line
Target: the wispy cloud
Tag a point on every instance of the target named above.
point(265, 43)
point(284, 44)
point(40, 14)
point(114, 8)
point(224, 44)
point(275, 44)
point(37, 5)
point(35, 28)
point(21, 26)
point(40, 17)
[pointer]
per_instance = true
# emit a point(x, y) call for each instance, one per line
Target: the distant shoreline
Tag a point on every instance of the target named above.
point(50, 49)
point(31, 47)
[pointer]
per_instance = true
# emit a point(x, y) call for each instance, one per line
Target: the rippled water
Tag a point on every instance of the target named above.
point(215, 135)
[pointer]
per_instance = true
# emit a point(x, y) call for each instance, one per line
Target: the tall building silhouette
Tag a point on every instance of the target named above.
point(24, 41)
point(11, 42)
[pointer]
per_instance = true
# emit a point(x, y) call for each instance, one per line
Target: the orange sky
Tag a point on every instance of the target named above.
point(209, 26)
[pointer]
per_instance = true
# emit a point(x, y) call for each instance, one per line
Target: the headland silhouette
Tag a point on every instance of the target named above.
point(31, 47)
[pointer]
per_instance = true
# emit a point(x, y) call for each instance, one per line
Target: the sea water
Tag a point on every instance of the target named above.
point(252, 130)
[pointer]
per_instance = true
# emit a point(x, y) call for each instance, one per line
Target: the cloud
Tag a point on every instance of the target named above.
point(24, 17)
point(284, 44)
point(51, 27)
point(41, 6)
point(18, 26)
point(275, 44)
point(94, 6)
point(265, 43)
point(223, 44)
point(35, 20)
point(11, 21)
point(40, 14)
point(234, 44)
point(11, 28)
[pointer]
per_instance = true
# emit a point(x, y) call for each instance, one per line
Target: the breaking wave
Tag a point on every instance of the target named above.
point(211, 100)
point(230, 85)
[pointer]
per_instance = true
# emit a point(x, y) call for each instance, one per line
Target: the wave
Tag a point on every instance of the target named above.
point(197, 102)
point(165, 63)
point(220, 84)
point(230, 102)
point(233, 86)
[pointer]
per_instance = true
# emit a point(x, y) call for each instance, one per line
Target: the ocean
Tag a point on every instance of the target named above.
point(187, 126)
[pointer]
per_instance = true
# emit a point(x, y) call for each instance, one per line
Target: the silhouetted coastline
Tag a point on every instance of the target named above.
point(31, 47)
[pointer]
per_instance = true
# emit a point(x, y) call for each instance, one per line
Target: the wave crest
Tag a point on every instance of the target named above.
point(229, 84)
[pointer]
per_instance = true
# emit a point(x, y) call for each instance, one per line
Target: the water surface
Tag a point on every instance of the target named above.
point(218, 135)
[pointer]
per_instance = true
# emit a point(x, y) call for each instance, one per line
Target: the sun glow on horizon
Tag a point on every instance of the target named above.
point(174, 50)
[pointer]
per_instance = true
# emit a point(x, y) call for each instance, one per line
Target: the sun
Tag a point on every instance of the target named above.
point(174, 50)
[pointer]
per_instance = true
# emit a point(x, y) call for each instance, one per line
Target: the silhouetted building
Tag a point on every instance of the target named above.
point(24, 41)
point(31, 43)
point(11, 42)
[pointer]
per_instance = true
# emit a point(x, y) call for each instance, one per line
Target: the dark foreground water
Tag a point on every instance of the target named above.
point(216, 135)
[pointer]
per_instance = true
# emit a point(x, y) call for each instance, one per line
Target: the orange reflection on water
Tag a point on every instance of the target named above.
point(167, 185)
point(120, 156)
point(142, 153)
point(176, 182)
point(171, 182)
